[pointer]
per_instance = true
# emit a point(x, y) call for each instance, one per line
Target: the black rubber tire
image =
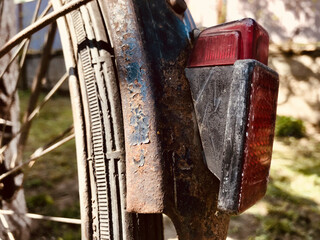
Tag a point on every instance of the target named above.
point(102, 133)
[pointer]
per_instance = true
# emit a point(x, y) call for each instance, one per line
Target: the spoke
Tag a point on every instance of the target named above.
point(15, 55)
point(4, 121)
point(36, 88)
point(39, 24)
point(35, 91)
point(62, 136)
point(1, 8)
point(36, 110)
point(25, 46)
point(6, 227)
point(48, 97)
point(26, 42)
point(40, 152)
point(41, 217)
point(46, 10)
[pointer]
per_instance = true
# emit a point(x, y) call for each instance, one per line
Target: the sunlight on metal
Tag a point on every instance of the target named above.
point(36, 155)
point(39, 24)
point(24, 46)
point(15, 55)
point(41, 217)
point(48, 96)
point(37, 109)
point(6, 226)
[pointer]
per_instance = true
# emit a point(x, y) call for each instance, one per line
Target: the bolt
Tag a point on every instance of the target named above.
point(179, 6)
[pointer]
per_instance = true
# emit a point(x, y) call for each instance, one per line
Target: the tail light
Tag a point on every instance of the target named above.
point(249, 134)
point(235, 103)
point(226, 43)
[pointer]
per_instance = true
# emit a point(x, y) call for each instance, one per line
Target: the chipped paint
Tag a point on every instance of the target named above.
point(140, 122)
point(140, 161)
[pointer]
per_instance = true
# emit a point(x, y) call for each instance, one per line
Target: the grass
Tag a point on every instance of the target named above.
point(289, 127)
point(51, 183)
point(291, 207)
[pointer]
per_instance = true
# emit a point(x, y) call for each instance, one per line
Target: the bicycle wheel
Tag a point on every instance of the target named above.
point(99, 129)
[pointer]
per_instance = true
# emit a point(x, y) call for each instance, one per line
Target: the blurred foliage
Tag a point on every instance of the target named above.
point(289, 127)
point(291, 207)
point(39, 201)
point(51, 183)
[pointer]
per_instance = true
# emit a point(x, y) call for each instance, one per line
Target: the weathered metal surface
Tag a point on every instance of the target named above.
point(142, 143)
point(192, 205)
point(165, 168)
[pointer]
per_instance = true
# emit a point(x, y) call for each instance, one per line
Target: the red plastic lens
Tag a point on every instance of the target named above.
point(216, 49)
point(259, 137)
point(226, 43)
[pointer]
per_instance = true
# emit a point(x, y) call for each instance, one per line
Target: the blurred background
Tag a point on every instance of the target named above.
point(291, 208)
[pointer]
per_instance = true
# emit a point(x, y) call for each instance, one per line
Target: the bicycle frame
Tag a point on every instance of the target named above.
point(165, 168)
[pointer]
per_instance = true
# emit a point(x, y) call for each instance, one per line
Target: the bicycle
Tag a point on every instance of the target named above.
point(133, 110)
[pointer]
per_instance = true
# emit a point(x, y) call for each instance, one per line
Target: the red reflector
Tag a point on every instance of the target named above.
point(248, 131)
point(259, 137)
point(226, 43)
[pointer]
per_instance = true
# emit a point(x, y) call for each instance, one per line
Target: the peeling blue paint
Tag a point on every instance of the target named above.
point(135, 75)
point(161, 37)
point(140, 122)
point(135, 78)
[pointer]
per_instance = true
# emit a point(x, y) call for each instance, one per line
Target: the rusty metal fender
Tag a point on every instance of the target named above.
point(164, 162)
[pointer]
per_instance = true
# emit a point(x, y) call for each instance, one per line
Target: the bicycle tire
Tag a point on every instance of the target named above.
point(98, 124)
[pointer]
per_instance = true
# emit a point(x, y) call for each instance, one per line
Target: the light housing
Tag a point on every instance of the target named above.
point(235, 99)
point(224, 44)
